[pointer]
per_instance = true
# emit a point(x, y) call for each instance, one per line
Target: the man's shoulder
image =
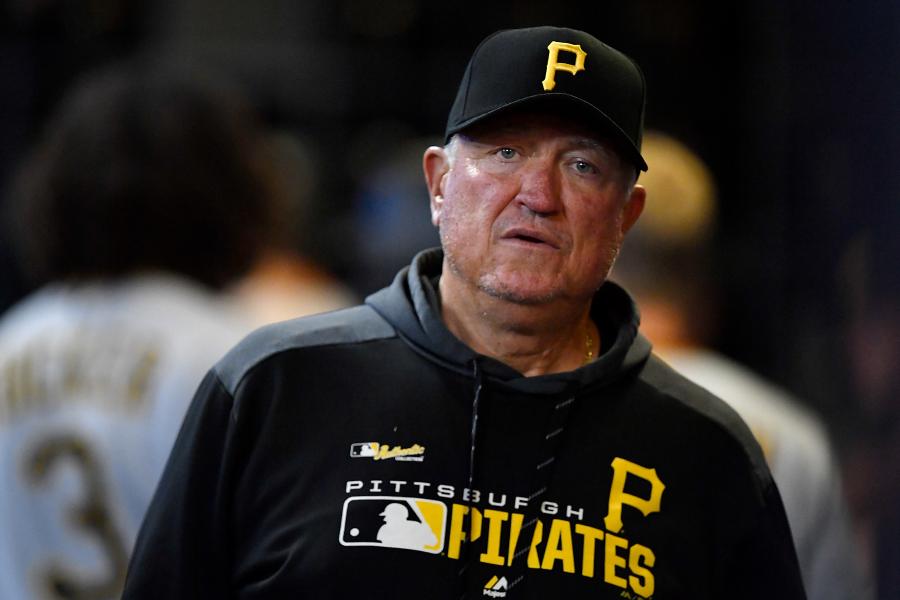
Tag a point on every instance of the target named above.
point(355, 325)
point(691, 399)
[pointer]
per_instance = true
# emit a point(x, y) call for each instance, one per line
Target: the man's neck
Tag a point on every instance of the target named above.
point(534, 339)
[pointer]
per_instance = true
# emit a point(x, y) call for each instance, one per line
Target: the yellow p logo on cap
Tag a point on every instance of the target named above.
point(553, 64)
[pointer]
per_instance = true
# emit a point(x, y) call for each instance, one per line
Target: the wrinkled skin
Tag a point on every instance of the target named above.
point(532, 210)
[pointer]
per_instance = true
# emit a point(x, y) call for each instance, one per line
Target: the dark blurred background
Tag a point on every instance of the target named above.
point(794, 105)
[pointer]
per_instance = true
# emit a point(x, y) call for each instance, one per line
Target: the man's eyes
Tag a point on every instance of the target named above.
point(580, 165)
point(584, 167)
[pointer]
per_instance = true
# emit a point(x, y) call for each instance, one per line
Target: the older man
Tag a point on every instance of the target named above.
point(498, 391)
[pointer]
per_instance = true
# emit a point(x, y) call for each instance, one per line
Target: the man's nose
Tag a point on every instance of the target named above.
point(539, 189)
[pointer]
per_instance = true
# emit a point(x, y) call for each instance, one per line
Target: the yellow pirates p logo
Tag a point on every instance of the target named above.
point(553, 64)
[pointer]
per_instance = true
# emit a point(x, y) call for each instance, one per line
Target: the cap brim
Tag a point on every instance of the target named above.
point(593, 115)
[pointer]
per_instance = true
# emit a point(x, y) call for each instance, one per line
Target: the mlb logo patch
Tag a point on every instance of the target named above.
point(394, 522)
point(364, 450)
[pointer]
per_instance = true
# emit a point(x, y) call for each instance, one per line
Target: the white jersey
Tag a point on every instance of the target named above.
point(803, 465)
point(94, 383)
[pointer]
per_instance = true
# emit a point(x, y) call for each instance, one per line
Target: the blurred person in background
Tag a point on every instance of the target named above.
point(872, 284)
point(667, 265)
point(146, 195)
point(289, 280)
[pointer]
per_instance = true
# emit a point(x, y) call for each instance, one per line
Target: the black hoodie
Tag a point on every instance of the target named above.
point(368, 453)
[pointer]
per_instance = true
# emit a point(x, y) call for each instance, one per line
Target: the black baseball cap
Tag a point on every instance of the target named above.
point(566, 70)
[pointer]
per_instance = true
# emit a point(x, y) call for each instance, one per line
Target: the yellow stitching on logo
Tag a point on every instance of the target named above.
point(553, 64)
point(386, 452)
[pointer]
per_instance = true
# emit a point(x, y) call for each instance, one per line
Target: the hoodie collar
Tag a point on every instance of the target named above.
point(412, 305)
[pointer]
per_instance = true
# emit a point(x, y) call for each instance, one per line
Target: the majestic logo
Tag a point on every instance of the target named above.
point(394, 522)
point(377, 451)
point(495, 588)
point(553, 64)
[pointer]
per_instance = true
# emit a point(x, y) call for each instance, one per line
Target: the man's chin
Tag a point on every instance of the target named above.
point(526, 295)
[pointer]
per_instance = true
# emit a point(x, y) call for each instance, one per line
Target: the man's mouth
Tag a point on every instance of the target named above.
point(530, 236)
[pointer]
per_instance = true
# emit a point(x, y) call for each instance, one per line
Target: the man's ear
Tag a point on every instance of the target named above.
point(633, 208)
point(436, 165)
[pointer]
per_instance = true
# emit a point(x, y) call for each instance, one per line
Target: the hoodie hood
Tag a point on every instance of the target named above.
point(412, 305)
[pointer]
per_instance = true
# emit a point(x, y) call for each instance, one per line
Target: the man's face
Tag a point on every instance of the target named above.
point(531, 208)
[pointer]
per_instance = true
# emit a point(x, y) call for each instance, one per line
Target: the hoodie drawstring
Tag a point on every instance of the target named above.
point(473, 433)
point(473, 436)
point(543, 470)
point(543, 475)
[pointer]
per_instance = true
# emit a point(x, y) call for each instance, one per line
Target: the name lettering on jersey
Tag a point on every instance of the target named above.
point(98, 368)
point(553, 64)
point(554, 536)
point(379, 451)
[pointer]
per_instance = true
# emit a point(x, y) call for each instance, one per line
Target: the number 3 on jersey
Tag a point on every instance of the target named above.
point(91, 517)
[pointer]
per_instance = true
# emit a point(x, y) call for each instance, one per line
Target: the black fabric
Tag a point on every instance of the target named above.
point(509, 68)
point(274, 490)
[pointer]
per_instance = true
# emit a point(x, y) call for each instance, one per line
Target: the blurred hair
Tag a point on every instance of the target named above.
point(669, 253)
point(144, 167)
